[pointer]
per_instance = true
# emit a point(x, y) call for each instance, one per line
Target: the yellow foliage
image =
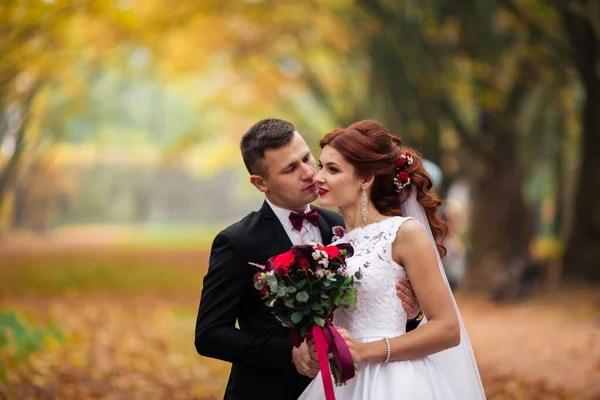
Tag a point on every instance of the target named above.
point(546, 249)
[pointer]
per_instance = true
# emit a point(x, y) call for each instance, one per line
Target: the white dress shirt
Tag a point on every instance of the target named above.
point(309, 232)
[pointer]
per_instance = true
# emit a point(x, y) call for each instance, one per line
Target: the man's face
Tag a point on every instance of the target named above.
point(290, 174)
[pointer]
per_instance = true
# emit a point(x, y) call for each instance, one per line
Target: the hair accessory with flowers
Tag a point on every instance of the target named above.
point(402, 178)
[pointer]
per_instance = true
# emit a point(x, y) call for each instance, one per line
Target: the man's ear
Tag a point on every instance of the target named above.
point(259, 182)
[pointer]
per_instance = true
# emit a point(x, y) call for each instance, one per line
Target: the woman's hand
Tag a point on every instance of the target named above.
point(357, 349)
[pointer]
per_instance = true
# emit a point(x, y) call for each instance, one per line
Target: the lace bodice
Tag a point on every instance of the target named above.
point(378, 310)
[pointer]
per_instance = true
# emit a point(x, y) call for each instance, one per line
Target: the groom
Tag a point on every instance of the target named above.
point(265, 365)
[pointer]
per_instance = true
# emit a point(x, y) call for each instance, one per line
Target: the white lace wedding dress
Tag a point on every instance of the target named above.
point(379, 314)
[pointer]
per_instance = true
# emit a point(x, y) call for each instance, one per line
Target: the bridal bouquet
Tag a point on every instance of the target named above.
point(303, 287)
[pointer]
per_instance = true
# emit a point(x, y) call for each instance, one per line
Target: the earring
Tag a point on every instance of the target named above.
point(363, 205)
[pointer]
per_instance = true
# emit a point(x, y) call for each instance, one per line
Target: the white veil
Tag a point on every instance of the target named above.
point(458, 363)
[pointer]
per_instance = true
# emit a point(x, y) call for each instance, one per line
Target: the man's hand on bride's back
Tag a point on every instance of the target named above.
point(406, 293)
point(305, 359)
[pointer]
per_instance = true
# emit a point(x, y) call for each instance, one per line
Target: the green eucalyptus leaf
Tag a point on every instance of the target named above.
point(296, 317)
point(302, 297)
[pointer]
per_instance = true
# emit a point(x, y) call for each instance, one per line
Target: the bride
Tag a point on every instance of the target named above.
point(382, 190)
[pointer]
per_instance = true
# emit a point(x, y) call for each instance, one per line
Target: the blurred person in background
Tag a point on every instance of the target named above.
point(455, 260)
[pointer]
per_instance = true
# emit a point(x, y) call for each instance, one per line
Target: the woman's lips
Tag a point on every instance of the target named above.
point(323, 192)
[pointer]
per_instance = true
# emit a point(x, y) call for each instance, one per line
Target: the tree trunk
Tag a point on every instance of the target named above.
point(582, 255)
point(582, 258)
point(9, 172)
point(500, 229)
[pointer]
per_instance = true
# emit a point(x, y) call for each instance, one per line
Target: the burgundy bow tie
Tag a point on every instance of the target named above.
point(297, 218)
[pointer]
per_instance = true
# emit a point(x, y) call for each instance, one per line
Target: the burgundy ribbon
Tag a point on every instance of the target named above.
point(329, 338)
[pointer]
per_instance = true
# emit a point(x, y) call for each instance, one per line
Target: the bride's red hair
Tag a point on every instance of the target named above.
point(372, 150)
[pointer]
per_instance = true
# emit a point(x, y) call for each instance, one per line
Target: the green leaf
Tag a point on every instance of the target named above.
point(316, 306)
point(289, 302)
point(306, 310)
point(302, 297)
point(273, 287)
point(351, 297)
point(319, 321)
point(281, 291)
point(324, 296)
point(335, 297)
point(291, 289)
point(348, 282)
point(358, 274)
point(301, 283)
point(297, 317)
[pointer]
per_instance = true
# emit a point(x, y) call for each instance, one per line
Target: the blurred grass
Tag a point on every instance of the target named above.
point(154, 260)
point(101, 270)
point(173, 237)
point(59, 276)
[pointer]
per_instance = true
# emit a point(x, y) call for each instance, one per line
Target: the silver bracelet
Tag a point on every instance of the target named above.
point(389, 349)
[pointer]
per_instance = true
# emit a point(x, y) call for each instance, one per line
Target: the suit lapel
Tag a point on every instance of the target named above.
point(278, 231)
point(326, 232)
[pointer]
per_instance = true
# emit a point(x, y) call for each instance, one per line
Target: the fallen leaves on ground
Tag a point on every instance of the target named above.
point(138, 347)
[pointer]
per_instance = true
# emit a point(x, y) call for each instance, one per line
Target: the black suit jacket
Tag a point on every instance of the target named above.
point(259, 350)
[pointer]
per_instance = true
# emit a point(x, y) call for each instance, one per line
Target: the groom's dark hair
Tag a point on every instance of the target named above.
point(266, 134)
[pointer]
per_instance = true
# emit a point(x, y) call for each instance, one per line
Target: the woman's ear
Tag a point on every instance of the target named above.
point(367, 182)
point(259, 182)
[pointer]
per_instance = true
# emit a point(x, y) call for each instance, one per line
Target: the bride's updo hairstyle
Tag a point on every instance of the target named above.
point(372, 150)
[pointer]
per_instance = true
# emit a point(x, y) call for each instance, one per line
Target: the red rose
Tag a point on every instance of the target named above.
point(282, 270)
point(303, 264)
point(282, 262)
point(400, 162)
point(332, 252)
point(403, 177)
point(284, 259)
point(407, 154)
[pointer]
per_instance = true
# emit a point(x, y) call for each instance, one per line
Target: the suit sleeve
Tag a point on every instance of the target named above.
point(225, 283)
point(412, 324)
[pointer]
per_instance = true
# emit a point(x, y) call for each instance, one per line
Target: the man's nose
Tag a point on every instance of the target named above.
point(309, 171)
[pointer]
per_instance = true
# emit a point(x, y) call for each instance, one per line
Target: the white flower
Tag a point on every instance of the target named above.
point(320, 273)
point(316, 255)
point(342, 271)
point(324, 262)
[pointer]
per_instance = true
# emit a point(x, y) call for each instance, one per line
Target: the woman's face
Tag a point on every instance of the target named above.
point(337, 184)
